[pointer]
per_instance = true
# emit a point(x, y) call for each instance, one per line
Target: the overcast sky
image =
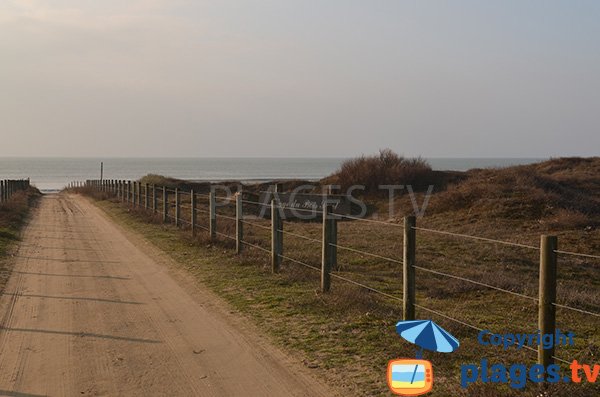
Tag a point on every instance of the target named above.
point(299, 78)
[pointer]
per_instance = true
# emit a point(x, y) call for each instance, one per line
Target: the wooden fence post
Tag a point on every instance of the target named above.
point(547, 295)
point(176, 206)
point(276, 237)
point(239, 226)
point(193, 211)
point(154, 199)
point(408, 273)
point(326, 249)
point(332, 231)
point(165, 204)
point(139, 194)
point(146, 198)
point(212, 226)
point(132, 193)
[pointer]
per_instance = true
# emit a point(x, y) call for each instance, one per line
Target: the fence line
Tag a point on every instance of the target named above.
point(131, 193)
point(8, 187)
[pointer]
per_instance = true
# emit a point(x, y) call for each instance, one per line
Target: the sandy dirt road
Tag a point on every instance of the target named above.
point(92, 309)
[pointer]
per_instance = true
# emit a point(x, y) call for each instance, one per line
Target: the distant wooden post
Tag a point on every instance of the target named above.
point(212, 226)
point(177, 206)
point(547, 295)
point(326, 249)
point(239, 226)
point(146, 198)
point(133, 188)
point(154, 199)
point(1, 191)
point(408, 273)
point(276, 237)
point(139, 194)
point(165, 204)
point(193, 211)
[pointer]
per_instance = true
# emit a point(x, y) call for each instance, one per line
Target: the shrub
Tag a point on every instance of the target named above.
point(385, 168)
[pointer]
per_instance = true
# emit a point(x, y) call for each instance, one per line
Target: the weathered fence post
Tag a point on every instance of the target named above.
point(1, 191)
point(131, 193)
point(154, 199)
point(165, 204)
point(139, 194)
point(176, 206)
point(326, 249)
point(547, 295)
point(408, 273)
point(276, 237)
point(146, 198)
point(134, 193)
point(193, 211)
point(212, 226)
point(332, 230)
point(239, 226)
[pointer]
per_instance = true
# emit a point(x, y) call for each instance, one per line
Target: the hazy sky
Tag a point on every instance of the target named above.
point(299, 78)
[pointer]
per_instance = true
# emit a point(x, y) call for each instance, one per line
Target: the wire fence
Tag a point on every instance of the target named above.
point(329, 244)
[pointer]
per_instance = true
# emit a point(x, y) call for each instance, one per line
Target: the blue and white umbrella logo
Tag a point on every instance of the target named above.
point(427, 335)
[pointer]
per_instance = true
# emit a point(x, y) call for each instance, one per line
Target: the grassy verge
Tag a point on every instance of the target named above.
point(13, 215)
point(348, 336)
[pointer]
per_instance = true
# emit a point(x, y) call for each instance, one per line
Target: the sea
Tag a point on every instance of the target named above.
point(52, 174)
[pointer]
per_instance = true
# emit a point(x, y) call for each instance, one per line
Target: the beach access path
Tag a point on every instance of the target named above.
point(93, 309)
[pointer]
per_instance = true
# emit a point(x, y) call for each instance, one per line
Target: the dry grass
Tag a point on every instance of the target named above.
point(13, 215)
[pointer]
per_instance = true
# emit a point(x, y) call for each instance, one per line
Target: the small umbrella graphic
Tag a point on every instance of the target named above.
point(427, 335)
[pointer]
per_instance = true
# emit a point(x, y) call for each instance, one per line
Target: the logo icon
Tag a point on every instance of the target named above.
point(407, 377)
point(413, 377)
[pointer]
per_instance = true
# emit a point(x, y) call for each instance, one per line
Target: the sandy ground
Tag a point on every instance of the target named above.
point(92, 309)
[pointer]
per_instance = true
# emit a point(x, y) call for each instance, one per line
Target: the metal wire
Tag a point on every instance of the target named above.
point(256, 225)
point(367, 253)
point(576, 309)
point(475, 282)
point(491, 240)
point(256, 203)
point(225, 235)
point(335, 275)
point(226, 217)
point(256, 246)
point(300, 236)
point(202, 227)
point(577, 254)
point(448, 317)
point(299, 262)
